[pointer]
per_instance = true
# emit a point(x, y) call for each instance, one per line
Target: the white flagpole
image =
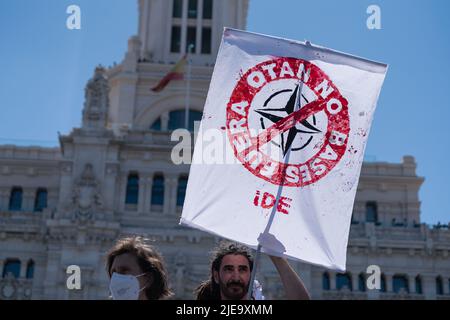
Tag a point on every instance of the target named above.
point(188, 87)
point(274, 209)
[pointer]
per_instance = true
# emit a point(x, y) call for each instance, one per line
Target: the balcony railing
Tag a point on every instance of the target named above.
point(21, 221)
point(15, 289)
point(344, 294)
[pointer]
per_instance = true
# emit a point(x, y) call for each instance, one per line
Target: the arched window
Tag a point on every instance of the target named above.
point(40, 201)
point(371, 211)
point(439, 286)
point(12, 266)
point(326, 281)
point(15, 199)
point(400, 282)
point(418, 282)
point(158, 190)
point(181, 192)
point(132, 193)
point(176, 119)
point(30, 269)
point(383, 283)
point(343, 280)
point(156, 125)
point(361, 282)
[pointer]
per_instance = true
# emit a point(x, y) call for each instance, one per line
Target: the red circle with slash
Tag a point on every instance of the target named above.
point(246, 147)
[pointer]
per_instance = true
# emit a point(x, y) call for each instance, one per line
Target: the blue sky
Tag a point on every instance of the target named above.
point(44, 68)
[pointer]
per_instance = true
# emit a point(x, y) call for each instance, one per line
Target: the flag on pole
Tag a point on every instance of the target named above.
point(176, 73)
point(295, 119)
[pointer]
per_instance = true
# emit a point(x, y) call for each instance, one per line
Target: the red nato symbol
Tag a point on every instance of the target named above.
point(288, 118)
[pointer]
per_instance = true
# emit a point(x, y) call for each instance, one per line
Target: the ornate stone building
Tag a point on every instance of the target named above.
point(114, 176)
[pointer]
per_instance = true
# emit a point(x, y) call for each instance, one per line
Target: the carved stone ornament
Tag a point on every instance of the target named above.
point(86, 195)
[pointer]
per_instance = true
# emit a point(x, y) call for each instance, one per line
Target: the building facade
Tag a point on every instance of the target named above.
point(113, 176)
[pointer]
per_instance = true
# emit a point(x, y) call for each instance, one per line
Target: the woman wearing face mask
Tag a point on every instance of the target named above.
point(137, 271)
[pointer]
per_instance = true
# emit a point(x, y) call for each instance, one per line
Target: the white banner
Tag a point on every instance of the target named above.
point(294, 119)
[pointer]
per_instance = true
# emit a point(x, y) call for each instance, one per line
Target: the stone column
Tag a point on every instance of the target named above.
point(23, 269)
point(355, 280)
point(29, 195)
point(198, 48)
point(165, 121)
point(141, 193)
point(332, 280)
point(429, 286)
point(148, 178)
point(412, 283)
point(123, 189)
point(109, 187)
point(446, 285)
point(184, 26)
point(168, 186)
point(173, 186)
point(170, 194)
point(4, 198)
point(52, 199)
point(389, 286)
point(65, 185)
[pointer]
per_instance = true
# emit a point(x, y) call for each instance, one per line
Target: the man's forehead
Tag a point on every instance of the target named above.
point(235, 260)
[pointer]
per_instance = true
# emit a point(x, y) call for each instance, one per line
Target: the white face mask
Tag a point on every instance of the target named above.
point(125, 287)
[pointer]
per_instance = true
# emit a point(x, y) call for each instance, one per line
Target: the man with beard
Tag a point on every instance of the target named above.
point(231, 269)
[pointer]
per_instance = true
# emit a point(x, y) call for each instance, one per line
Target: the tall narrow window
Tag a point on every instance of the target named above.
point(191, 39)
point(30, 269)
point(192, 9)
point(132, 194)
point(177, 8)
point(181, 192)
point(383, 283)
point(206, 40)
point(418, 282)
point(343, 280)
point(176, 119)
point(175, 42)
point(12, 266)
point(158, 190)
point(399, 283)
point(361, 282)
point(448, 285)
point(156, 125)
point(207, 9)
point(439, 286)
point(15, 199)
point(40, 202)
point(371, 211)
point(326, 281)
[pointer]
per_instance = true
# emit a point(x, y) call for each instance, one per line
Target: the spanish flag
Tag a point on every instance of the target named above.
point(177, 73)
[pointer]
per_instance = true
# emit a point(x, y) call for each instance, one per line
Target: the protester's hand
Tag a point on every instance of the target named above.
point(271, 243)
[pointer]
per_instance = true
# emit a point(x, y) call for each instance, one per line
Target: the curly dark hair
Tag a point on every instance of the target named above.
point(149, 260)
point(209, 289)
